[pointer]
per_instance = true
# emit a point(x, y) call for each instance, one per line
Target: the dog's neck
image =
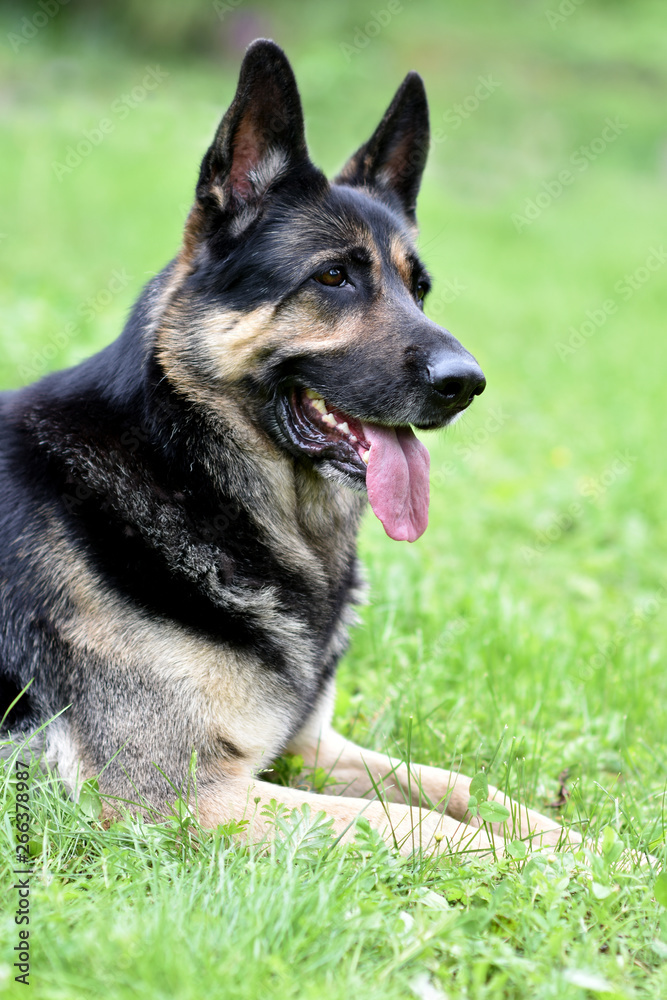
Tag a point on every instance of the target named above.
point(304, 518)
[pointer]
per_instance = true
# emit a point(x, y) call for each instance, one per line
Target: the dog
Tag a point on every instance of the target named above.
point(180, 511)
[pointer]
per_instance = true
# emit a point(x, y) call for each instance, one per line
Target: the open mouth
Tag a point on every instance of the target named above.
point(391, 461)
point(323, 431)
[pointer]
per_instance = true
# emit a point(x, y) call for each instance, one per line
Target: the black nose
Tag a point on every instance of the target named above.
point(458, 380)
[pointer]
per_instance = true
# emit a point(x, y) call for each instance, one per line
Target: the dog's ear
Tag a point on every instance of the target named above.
point(260, 137)
point(393, 159)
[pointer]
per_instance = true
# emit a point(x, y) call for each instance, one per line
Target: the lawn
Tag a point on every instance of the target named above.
point(525, 632)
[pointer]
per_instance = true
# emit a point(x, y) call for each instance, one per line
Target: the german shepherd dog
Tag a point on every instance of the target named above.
point(179, 512)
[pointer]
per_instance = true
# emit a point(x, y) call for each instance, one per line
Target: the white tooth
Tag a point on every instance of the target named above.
point(320, 405)
point(312, 394)
point(330, 419)
point(343, 428)
point(366, 457)
point(353, 439)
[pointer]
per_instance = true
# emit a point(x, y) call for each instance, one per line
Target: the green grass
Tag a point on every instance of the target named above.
point(533, 608)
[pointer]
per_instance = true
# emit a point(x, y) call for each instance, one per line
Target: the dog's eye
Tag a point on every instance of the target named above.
point(333, 276)
point(420, 291)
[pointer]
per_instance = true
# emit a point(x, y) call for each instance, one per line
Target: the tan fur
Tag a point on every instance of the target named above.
point(399, 259)
point(228, 343)
point(229, 691)
point(192, 234)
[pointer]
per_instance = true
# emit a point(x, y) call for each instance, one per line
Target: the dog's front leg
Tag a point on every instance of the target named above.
point(362, 773)
point(402, 826)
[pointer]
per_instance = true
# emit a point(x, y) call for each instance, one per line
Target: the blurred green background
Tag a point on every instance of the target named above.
point(542, 219)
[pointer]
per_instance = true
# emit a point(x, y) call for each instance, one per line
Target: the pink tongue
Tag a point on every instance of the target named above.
point(397, 481)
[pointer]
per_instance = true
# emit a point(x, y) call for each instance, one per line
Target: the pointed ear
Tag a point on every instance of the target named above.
point(260, 137)
point(393, 159)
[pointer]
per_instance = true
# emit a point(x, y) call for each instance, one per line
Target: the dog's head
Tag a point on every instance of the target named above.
point(302, 300)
